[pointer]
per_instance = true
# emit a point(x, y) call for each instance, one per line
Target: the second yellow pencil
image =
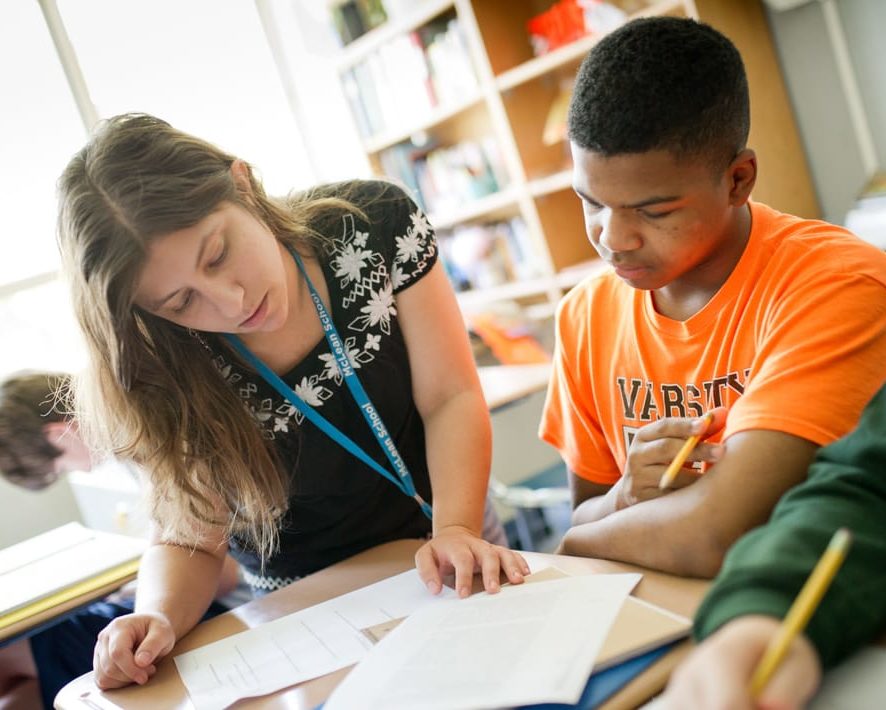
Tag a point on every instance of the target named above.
point(802, 609)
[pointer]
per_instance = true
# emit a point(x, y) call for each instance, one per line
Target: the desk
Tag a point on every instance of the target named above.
point(165, 689)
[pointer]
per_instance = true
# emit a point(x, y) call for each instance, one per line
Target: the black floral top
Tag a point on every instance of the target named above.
point(339, 506)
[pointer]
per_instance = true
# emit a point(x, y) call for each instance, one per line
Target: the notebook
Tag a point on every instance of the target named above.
point(56, 566)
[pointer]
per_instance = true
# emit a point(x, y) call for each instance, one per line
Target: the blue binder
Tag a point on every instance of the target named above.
point(606, 683)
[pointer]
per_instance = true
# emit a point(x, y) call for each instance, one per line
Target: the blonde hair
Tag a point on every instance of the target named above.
point(151, 393)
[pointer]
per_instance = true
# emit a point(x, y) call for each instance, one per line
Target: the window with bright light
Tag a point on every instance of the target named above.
point(39, 131)
point(204, 66)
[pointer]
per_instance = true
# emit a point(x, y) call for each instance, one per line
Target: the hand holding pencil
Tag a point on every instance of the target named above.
point(673, 469)
point(656, 445)
point(802, 609)
point(757, 661)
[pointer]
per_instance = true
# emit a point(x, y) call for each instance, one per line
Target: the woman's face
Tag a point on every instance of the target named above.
point(225, 274)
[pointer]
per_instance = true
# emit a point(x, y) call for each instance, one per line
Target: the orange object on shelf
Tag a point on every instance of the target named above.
point(561, 24)
point(511, 345)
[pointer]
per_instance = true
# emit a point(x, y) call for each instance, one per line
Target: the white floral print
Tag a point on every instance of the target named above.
point(377, 311)
point(420, 223)
point(309, 392)
point(398, 276)
point(350, 263)
point(409, 247)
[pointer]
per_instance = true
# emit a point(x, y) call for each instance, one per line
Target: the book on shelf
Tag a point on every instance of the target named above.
point(400, 84)
point(446, 177)
point(354, 18)
point(569, 20)
point(481, 256)
point(449, 60)
point(61, 565)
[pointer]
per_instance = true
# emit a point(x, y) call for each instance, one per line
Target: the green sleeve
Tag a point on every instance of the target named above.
point(766, 568)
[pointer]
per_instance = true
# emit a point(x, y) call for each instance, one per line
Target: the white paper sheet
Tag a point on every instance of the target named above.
point(300, 646)
point(528, 644)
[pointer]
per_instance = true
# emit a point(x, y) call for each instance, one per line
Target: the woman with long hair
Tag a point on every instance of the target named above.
point(293, 376)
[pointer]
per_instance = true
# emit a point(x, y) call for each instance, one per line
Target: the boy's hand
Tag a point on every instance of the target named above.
point(653, 449)
point(716, 675)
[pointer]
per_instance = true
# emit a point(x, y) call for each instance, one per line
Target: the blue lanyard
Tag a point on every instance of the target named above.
point(403, 480)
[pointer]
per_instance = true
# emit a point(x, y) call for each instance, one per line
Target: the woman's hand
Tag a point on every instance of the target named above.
point(127, 649)
point(655, 446)
point(717, 674)
point(457, 549)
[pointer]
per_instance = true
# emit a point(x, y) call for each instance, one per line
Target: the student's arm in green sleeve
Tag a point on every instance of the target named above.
point(765, 570)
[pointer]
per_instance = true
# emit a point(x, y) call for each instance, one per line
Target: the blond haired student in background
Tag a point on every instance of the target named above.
point(765, 570)
point(713, 303)
point(183, 271)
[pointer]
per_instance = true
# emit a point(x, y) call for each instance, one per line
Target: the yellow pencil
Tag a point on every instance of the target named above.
point(802, 609)
point(667, 478)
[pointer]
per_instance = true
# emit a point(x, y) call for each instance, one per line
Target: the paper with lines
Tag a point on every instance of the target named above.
point(300, 646)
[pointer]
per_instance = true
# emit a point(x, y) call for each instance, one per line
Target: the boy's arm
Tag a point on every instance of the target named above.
point(652, 450)
point(590, 501)
point(688, 531)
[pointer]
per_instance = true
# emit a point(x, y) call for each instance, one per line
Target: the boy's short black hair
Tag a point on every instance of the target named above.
point(662, 83)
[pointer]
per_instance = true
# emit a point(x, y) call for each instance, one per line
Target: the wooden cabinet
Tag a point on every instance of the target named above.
point(454, 85)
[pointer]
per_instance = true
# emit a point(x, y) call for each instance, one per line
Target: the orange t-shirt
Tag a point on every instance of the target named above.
point(794, 341)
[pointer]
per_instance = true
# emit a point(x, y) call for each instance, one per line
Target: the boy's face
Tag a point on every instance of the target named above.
point(660, 222)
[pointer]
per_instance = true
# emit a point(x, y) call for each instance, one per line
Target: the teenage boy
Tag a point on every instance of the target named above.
point(714, 303)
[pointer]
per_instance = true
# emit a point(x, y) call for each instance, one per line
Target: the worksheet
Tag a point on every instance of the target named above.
point(300, 646)
point(530, 643)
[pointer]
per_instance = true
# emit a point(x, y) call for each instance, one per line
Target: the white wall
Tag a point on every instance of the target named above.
point(24, 513)
point(819, 101)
